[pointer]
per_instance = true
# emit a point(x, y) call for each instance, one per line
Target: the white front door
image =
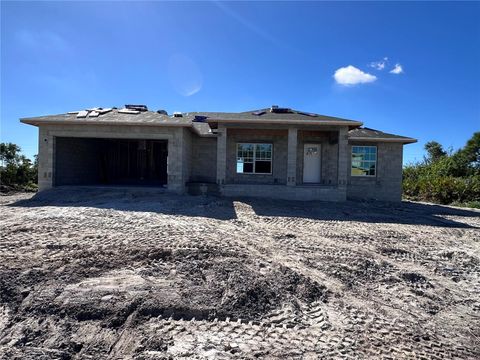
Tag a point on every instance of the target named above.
point(311, 163)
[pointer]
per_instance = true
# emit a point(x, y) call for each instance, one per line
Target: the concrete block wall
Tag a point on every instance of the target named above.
point(301, 193)
point(279, 139)
point(193, 158)
point(344, 156)
point(46, 158)
point(387, 184)
point(222, 135)
point(204, 159)
point(174, 135)
point(187, 155)
point(292, 155)
point(175, 168)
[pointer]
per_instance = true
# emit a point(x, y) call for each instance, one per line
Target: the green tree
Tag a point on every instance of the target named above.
point(435, 151)
point(16, 170)
point(446, 178)
point(9, 153)
point(471, 152)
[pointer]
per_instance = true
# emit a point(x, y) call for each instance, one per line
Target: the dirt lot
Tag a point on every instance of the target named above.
point(93, 274)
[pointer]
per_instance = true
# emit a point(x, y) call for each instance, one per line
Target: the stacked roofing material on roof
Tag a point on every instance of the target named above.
point(94, 112)
point(113, 116)
point(140, 108)
point(82, 114)
point(128, 111)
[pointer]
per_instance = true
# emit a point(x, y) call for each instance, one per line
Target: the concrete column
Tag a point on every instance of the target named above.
point(221, 154)
point(343, 157)
point(292, 156)
point(175, 159)
point(46, 159)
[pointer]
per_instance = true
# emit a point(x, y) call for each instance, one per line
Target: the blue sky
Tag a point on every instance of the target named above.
point(321, 57)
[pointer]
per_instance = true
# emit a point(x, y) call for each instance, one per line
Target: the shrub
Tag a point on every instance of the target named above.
point(445, 178)
point(17, 172)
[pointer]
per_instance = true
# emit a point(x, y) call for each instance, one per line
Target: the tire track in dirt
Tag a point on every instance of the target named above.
point(296, 242)
point(384, 279)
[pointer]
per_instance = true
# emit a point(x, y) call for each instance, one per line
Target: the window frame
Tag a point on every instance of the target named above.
point(254, 159)
point(369, 161)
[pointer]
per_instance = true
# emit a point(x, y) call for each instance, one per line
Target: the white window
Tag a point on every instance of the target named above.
point(254, 158)
point(364, 160)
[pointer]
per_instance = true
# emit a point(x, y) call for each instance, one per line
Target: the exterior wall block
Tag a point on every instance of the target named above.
point(204, 159)
point(48, 133)
point(211, 159)
point(46, 158)
point(279, 140)
point(175, 169)
point(299, 193)
point(221, 154)
point(343, 159)
point(386, 185)
point(292, 157)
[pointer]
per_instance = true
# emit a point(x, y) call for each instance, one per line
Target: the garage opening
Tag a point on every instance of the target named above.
point(85, 161)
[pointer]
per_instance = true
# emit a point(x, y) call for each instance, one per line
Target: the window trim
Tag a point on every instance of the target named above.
point(376, 161)
point(254, 158)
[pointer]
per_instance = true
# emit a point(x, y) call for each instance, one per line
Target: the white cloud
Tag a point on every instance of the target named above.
point(350, 75)
point(398, 69)
point(379, 65)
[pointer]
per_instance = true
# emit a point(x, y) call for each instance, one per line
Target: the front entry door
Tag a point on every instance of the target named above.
point(311, 163)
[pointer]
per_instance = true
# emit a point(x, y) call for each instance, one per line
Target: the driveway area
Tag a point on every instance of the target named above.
point(91, 273)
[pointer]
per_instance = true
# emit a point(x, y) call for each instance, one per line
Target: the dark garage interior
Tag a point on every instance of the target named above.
point(93, 161)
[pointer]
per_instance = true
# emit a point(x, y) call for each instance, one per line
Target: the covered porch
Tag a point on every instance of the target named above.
point(294, 162)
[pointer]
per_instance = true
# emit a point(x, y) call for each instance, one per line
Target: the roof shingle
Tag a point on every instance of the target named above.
point(265, 115)
point(367, 134)
point(211, 119)
point(112, 117)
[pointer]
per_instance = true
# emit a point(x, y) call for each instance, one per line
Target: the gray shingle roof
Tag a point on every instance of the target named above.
point(112, 117)
point(212, 118)
point(115, 116)
point(202, 129)
point(367, 134)
point(264, 115)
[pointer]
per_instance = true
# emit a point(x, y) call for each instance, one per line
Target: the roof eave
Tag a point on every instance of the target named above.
point(37, 122)
point(287, 122)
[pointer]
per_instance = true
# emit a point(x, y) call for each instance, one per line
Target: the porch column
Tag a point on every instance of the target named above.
point(221, 154)
point(292, 157)
point(46, 159)
point(343, 157)
point(175, 163)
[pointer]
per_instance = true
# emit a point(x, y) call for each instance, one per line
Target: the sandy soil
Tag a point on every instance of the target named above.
point(91, 274)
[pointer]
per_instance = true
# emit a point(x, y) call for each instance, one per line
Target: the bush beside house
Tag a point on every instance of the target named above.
point(446, 178)
point(17, 172)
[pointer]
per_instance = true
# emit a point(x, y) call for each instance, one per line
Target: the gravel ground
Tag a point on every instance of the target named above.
point(99, 273)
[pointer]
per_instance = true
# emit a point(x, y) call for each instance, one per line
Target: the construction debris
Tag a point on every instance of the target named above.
point(137, 107)
point(128, 111)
